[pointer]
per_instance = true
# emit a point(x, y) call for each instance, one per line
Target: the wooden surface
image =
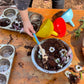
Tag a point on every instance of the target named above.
point(28, 74)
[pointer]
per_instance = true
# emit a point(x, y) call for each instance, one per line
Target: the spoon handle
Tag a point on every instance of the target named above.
point(36, 38)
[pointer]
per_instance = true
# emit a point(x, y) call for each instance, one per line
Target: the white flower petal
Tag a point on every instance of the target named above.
point(40, 51)
point(78, 68)
point(67, 73)
point(63, 52)
point(57, 60)
point(67, 60)
point(51, 49)
point(60, 65)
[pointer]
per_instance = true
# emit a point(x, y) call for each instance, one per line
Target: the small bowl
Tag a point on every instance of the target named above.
point(49, 71)
point(35, 17)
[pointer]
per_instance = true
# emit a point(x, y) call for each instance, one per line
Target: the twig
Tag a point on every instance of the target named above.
point(10, 39)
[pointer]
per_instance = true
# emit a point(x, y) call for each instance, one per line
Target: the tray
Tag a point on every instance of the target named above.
point(7, 53)
point(11, 20)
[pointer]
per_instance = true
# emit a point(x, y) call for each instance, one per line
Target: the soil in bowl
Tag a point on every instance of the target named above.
point(57, 52)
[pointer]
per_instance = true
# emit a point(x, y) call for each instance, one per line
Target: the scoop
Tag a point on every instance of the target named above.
point(60, 26)
point(67, 16)
point(44, 56)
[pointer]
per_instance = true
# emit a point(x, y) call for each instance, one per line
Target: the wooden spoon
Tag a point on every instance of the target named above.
point(44, 55)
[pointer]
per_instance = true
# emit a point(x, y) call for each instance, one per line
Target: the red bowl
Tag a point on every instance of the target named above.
point(60, 26)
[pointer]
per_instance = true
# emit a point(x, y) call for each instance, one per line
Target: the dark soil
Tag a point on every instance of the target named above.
point(4, 22)
point(51, 64)
point(74, 79)
point(21, 64)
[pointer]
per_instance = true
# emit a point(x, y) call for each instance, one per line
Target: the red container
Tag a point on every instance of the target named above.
point(60, 26)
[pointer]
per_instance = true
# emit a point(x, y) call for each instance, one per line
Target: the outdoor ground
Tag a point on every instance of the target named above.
point(74, 4)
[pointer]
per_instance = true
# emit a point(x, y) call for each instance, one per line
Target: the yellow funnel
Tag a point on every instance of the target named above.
point(46, 29)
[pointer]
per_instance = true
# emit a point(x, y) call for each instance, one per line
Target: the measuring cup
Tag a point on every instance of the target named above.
point(67, 16)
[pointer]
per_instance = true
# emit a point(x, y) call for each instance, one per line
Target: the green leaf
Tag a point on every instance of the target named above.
point(81, 20)
point(82, 26)
point(80, 75)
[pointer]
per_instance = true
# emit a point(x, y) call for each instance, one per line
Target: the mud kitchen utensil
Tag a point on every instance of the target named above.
point(44, 55)
point(83, 46)
point(46, 29)
point(7, 53)
point(11, 20)
point(67, 16)
point(60, 26)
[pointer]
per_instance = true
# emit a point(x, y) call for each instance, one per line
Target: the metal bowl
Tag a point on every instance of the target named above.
point(49, 71)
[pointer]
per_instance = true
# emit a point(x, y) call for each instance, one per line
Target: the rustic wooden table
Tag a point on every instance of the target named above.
point(28, 74)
